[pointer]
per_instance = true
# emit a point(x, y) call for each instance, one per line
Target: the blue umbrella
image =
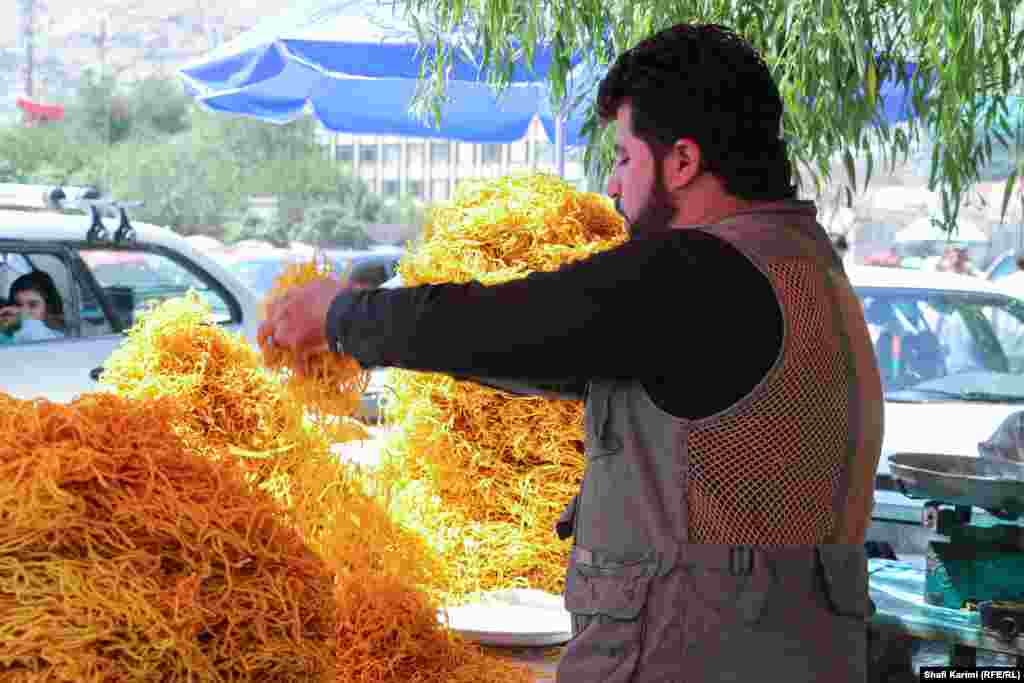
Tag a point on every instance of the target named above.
point(356, 65)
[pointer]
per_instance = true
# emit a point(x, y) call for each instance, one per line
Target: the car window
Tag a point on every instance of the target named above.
point(258, 274)
point(35, 293)
point(953, 341)
point(371, 273)
point(12, 265)
point(1008, 326)
point(134, 280)
point(1006, 266)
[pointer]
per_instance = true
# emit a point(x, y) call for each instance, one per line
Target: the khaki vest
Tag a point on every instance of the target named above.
point(731, 548)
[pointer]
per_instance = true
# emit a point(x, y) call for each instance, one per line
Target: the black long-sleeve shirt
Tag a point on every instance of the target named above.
point(683, 311)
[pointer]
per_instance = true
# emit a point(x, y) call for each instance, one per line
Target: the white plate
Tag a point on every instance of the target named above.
point(512, 618)
point(361, 451)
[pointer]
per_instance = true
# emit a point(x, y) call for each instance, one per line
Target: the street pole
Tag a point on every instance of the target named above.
point(26, 31)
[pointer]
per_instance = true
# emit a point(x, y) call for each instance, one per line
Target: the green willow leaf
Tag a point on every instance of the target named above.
point(871, 84)
point(838, 52)
point(851, 170)
point(1008, 192)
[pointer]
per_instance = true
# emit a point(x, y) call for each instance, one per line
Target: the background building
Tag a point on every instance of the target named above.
point(429, 169)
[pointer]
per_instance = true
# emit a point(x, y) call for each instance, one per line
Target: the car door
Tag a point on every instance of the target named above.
point(124, 281)
point(54, 369)
point(107, 286)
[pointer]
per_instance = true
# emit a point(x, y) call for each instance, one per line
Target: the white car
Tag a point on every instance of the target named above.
point(102, 277)
point(951, 352)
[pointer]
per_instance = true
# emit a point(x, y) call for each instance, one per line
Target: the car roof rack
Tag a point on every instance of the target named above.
point(66, 197)
point(41, 197)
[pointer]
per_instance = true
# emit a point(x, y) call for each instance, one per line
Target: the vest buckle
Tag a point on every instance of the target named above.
point(741, 560)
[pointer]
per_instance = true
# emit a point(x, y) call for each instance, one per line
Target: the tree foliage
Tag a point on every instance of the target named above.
point(195, 171)
point(198, 181)
point(830, 58)
point(187, 188)
point(100, 113)
point(160, 106)
point(317, 202)
point(45, 154)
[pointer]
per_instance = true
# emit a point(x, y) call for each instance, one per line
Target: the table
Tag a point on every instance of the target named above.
point(897, 589)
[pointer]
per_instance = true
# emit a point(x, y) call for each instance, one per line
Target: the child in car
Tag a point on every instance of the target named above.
point(34, 311)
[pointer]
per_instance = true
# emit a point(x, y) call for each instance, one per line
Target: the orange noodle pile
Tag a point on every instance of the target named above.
point(228, 409)
point(231, 405)
point(124, 556)
point(333, 383)
point(379, 614)
point(387, 580)
point(481, 473)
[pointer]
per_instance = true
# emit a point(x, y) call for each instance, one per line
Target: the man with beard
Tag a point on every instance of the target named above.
point(733, 403)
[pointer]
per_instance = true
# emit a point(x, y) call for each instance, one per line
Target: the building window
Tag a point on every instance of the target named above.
point(491, 154)
point(518, 152)
point(392, 154)
point(544, 152)
point(369, 175)
point(346, 153)
point(414, 153)
point(439, 153)
point(391, 188)
point(324, 137)
point(367, 153)
point(466, 153)
point(416, 188)
point(439, 189)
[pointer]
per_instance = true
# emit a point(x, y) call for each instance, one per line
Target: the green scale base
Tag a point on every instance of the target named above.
point(982, 561)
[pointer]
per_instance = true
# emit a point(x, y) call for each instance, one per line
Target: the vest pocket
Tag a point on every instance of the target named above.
point(600, 439)
point(566, 524)
point(844, 570)
point(606, 595)
point(726, 599)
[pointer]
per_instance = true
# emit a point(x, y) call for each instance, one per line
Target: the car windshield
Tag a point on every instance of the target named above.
point(258, 274)
point(943, 345)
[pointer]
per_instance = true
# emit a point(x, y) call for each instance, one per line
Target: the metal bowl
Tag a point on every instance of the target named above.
point(996, 486)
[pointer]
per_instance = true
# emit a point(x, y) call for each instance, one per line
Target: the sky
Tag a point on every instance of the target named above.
point(72, 15)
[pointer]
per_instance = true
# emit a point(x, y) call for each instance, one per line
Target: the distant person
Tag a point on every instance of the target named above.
point(885, 259)
point(35, 311)
point(956, 260)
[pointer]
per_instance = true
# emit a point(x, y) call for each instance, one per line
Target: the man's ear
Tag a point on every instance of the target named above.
point(682, 164)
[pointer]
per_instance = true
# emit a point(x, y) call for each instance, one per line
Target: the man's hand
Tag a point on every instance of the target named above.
point(297, 320)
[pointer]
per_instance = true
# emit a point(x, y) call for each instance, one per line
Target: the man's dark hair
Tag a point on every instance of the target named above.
point(705, 83)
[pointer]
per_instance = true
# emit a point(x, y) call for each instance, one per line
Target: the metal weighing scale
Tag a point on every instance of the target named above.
point(976, 561)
